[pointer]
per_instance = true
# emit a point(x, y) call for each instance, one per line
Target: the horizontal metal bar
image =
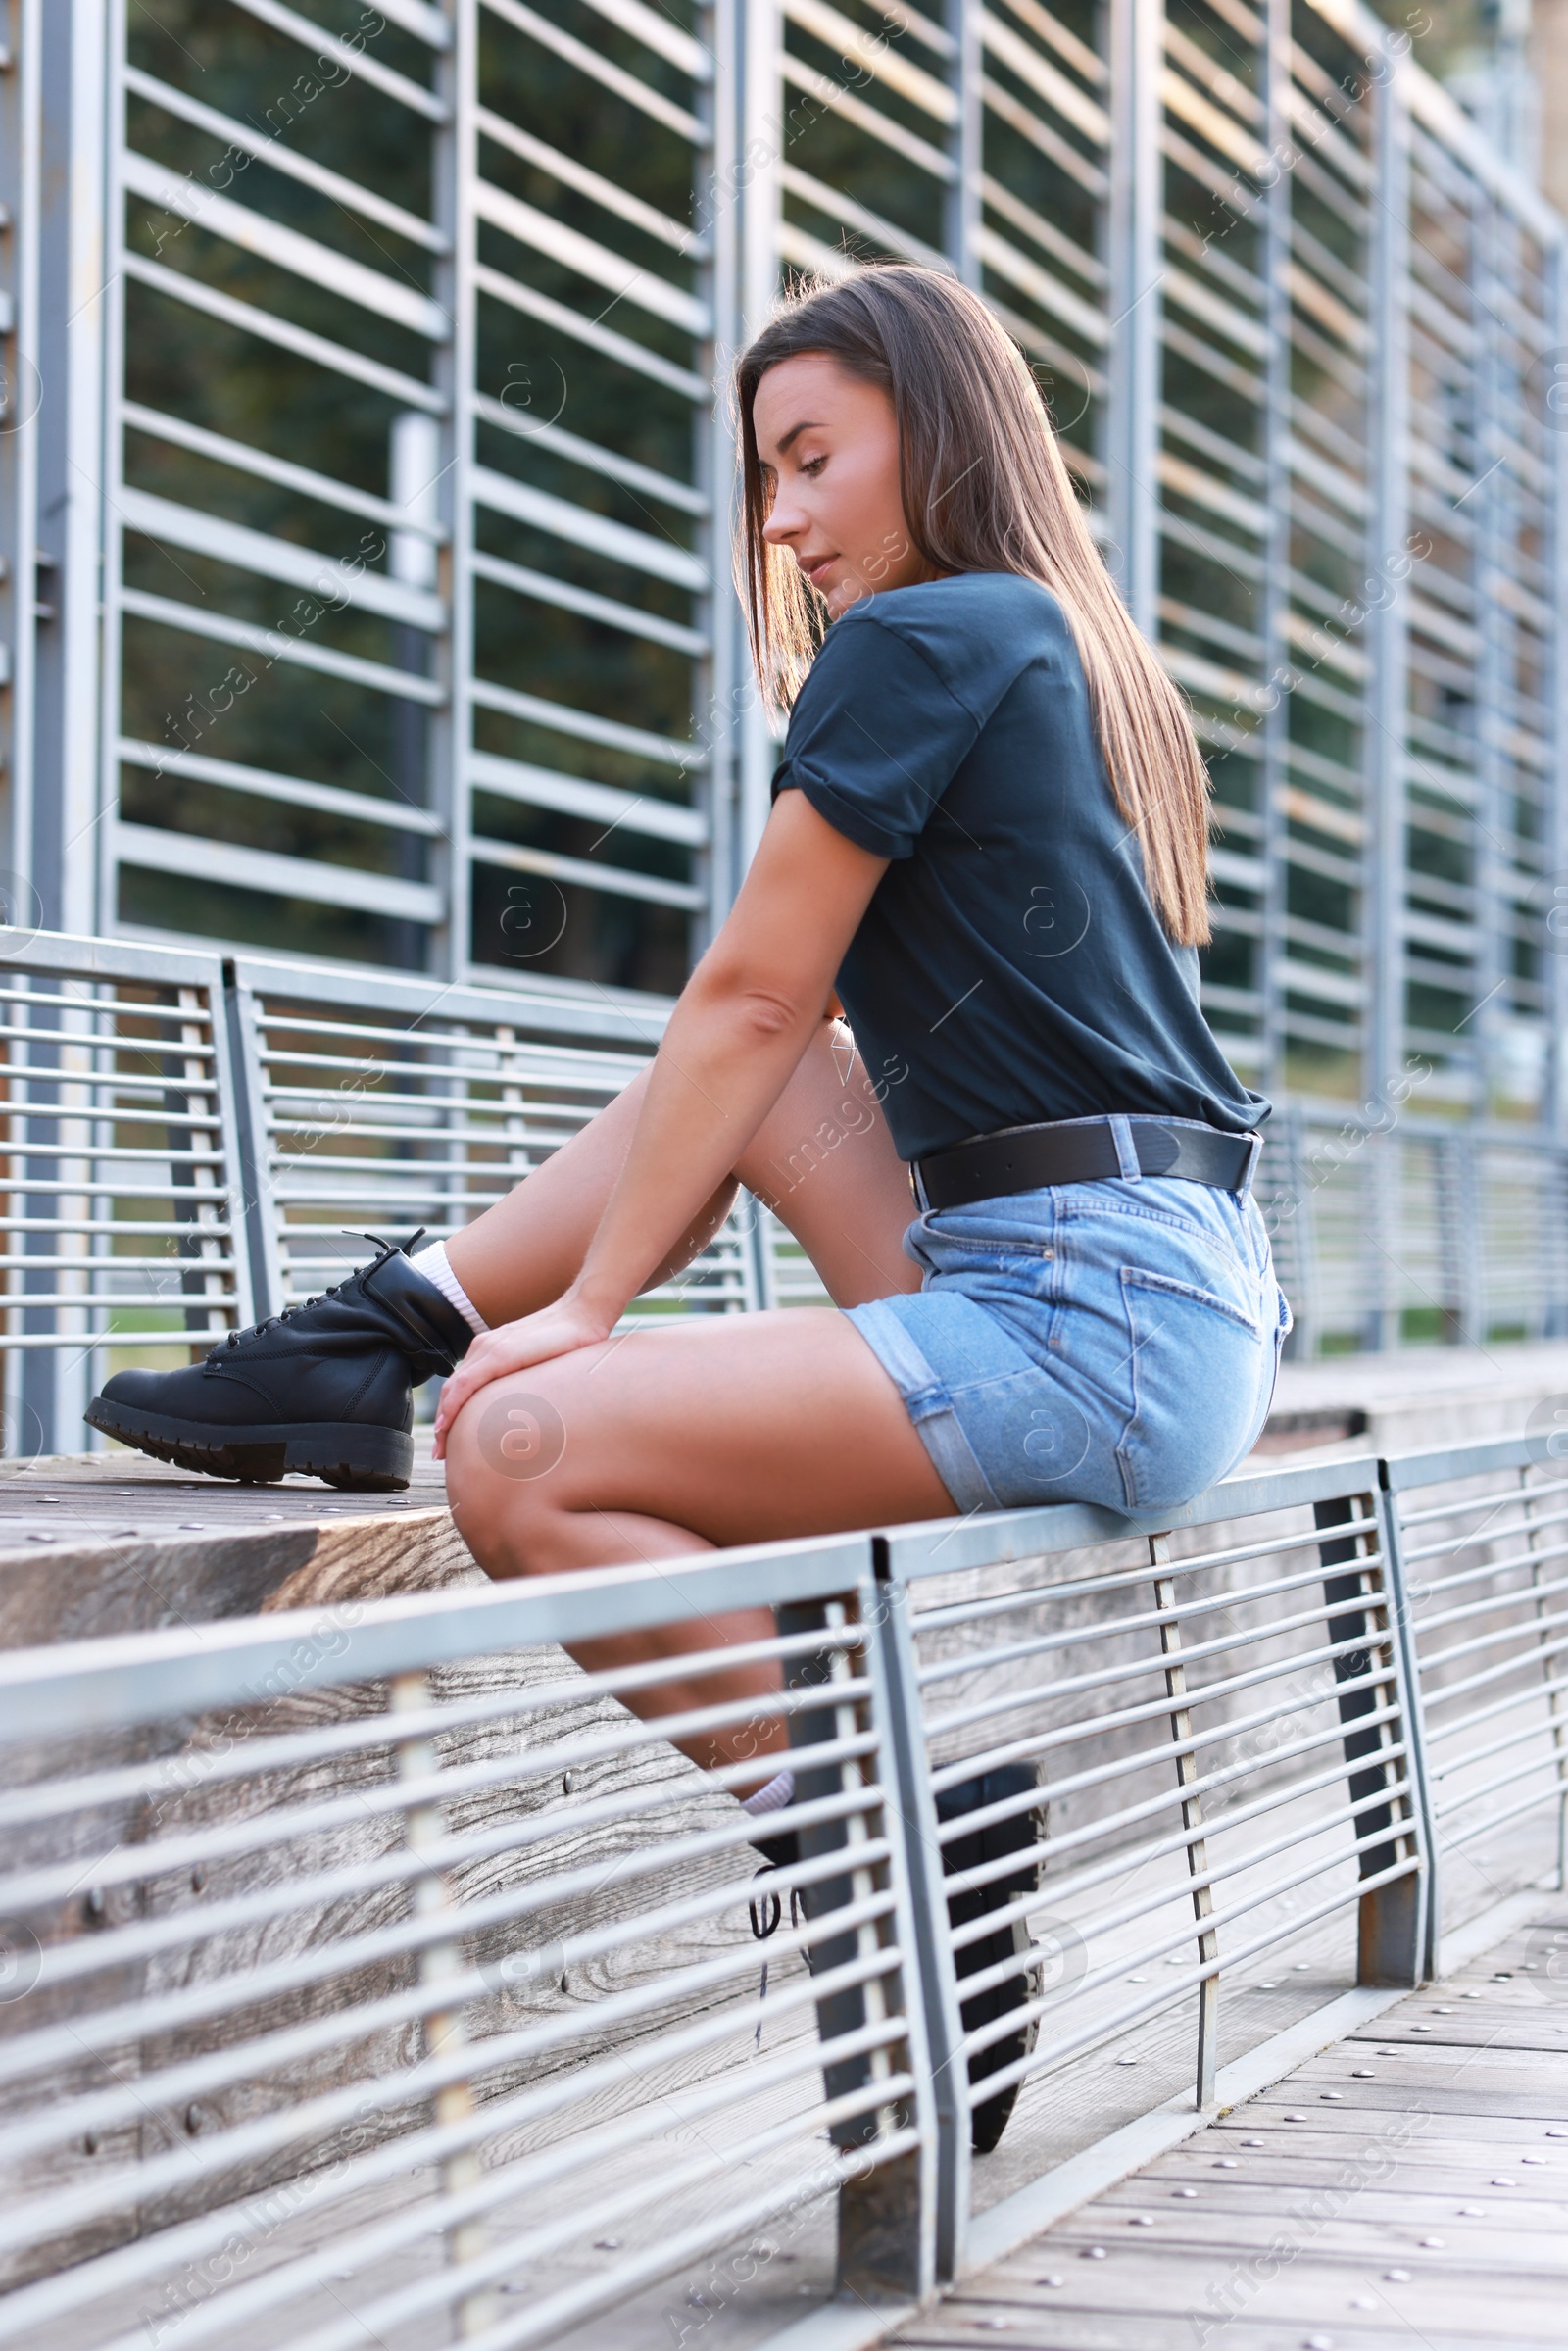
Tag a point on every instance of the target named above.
point(1147, 1708)
point(405, 685)
point(285, 248)
point(660, 559)
point(1208, 1783)
point(627, 281)
point(612, 611)
point(409, 13)
point(607, 193)
point(335, 582)
point(623, 881)
point(833, 98)
point(520, 296)
point(265, 2134)
point(179, 286)
point(604, 803)
point(1192, 1605)
point(1057, 2052)
point(312, 878)
point(1002, 1537)
point(139, 1678)
point(273, 468)
point(587, 726)
point(875, 57)
point(1452, 1463)
point(657, 32)
point(272, 149)
point(598, 68)
point(129, 1864)
point(362, 807)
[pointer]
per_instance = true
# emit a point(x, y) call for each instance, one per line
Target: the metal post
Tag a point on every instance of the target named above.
point(1551, 1668)
point(884, 2249)
point(965, 144)
point(938, 1978)
point(445, 2029)
point(1138, 170)
point(66, 798)
point(1469, 1209)
point(455, 165)
point(715, 699)
point(1390, 1939)
point(255, 1213)
point(761, 137)
point(1386, 647)
point(1275, 777)
point(21, 399)
point(1188, 1770)
point(1305, 1301)
point(1412, 1714)
point(1554, 689)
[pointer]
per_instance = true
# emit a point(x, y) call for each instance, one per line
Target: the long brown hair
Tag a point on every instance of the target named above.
point(984, 489)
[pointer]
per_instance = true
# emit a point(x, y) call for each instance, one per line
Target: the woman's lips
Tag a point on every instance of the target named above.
point(814, 569)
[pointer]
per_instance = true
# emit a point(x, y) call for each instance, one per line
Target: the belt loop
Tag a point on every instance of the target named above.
point(1126, 1148)
point(1244, 1186)
point(917, 1188)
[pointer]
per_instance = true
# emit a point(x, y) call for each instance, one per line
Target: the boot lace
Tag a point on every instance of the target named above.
point(387, 1249)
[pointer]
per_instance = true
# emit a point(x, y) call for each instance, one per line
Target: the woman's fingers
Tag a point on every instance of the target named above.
point(512, 1347)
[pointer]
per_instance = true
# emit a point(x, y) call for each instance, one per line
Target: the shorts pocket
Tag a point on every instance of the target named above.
point(1196, 1363)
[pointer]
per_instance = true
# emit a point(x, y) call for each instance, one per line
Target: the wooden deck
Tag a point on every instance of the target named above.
point(1408, 2187)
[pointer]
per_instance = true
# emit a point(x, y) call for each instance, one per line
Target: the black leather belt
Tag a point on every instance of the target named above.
point(1082, 1150)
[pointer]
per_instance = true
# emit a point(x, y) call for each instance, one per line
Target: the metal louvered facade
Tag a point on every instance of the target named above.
point(366, 495)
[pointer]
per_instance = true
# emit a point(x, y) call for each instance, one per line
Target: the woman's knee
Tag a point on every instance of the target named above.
point(500, 1450)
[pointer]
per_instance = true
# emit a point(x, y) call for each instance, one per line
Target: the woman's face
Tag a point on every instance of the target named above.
point(830, 447)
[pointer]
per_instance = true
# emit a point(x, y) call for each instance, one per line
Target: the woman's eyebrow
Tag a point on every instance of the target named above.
point(809, 424)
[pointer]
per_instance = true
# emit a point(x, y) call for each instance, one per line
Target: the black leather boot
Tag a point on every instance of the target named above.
point(325, 1389)
point(1021, 1834)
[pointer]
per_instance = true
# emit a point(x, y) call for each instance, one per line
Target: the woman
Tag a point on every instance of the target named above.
point(989, 834)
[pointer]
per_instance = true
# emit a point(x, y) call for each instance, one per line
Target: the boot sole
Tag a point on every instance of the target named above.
point(356, 1459)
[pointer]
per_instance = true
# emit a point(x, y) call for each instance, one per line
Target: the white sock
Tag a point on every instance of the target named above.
point(779, 1791)
point(432, 1261)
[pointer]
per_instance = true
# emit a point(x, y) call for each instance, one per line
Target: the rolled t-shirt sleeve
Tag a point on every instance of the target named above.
point(875, 737)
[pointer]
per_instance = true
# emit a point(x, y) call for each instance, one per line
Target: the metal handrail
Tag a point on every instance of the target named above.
point(1245, 1834)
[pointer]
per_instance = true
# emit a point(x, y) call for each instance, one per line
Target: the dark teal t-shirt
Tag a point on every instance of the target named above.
point(1011, 965)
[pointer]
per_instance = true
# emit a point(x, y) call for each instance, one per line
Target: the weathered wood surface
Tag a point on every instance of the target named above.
point(95, 1544)
point(1411, 2184)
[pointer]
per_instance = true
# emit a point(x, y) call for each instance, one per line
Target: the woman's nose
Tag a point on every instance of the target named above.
point(784, 523)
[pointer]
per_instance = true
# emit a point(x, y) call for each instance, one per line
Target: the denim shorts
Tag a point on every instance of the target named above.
point(1114, 1343)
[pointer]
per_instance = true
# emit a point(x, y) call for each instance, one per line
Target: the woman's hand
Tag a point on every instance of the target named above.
point(512, 1347)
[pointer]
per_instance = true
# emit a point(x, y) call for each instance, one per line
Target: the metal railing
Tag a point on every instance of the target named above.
point(189, 1141)
point(370, 1967)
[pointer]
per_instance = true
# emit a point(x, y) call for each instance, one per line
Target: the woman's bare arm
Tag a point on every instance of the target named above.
point(733, 1039)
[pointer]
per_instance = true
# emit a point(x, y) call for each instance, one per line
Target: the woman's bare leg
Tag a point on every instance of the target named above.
point(824, 1158)
point(695, 1461)
point(668, 1442)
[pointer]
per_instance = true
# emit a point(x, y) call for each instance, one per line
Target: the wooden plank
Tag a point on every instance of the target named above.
point(1409, 2183)
point(1286, 2282)
point(109, 1543)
